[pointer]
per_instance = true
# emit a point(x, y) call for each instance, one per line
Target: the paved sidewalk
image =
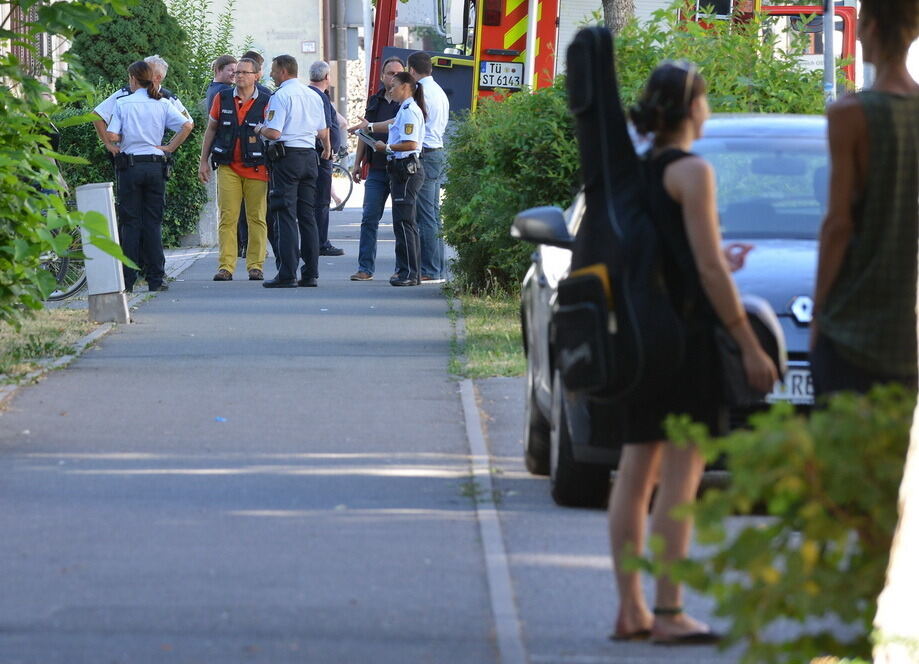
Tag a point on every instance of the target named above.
point(247, 475)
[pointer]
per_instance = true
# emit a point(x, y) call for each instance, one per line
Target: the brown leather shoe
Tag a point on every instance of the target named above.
point(361, 276)
point(256, 275)
point(223, 275)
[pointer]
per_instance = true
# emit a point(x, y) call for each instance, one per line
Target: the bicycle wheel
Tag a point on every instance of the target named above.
point(68, 270)
point(341, 187)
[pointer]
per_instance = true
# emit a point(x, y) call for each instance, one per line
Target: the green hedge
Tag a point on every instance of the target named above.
point(521, 152)
point(509, 155)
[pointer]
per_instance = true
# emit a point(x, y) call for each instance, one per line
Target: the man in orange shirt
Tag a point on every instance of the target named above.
point(238, 153)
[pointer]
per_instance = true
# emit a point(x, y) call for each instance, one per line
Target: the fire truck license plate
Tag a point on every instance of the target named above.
point(508, 75)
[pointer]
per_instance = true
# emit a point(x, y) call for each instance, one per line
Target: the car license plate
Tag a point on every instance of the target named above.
point(508, 75)
point(797, 388)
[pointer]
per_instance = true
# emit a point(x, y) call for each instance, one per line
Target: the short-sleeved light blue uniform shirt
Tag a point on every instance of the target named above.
point(106, 109)
point(437, 105)
point(408, 125)
point(141, 121)
point(297, 112)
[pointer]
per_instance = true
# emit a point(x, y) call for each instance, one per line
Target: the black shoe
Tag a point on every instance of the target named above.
point(404, 282)
point(331, 251)
point(158, 287)
point(308, 282)
point(279, 283)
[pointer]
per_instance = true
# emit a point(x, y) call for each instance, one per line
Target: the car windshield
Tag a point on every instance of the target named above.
point(768, 187)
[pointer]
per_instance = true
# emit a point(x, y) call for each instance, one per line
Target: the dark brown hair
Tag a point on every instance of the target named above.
point(254, 55)
point(417, 91)
point(666, 98)
point(222, 62)
point(142, 73)
point(288, 63)
point(421, 63)
point(896, 24)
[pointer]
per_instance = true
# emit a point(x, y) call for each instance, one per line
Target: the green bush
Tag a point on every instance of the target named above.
point(30, 216)
point(507, 156)
point(149, 29)
point(521, 152)
point(829, 487)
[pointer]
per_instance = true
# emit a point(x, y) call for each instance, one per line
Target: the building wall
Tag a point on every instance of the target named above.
point(279, 28)
point(574, 12)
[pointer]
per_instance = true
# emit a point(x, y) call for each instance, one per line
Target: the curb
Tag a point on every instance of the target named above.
point(45, 366)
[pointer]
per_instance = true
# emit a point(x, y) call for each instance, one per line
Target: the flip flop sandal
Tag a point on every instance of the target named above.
point(638, 635)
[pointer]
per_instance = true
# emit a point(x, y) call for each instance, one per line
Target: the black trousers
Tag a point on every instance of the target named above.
point(291, 200)
point(323, 199)
point(404, 191)
point(142, 197)
point(833, 373)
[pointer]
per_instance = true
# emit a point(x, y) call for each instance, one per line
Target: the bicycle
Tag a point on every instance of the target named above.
point(68, 270)
point(342, 184)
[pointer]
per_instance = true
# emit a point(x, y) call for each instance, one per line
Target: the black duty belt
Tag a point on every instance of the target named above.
point(424, 150)
point(290, 149)
point(141, 158)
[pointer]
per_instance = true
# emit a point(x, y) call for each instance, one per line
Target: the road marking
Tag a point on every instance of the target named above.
point(501, 591)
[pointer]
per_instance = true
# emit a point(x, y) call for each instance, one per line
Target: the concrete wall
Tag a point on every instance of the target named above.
point(279, 28)
point(573, 12)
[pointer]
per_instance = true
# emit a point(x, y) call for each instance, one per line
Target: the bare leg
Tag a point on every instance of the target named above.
point(681, 472)
point(628, 514)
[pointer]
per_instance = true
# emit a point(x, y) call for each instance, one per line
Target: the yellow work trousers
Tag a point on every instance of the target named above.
point(232, 190)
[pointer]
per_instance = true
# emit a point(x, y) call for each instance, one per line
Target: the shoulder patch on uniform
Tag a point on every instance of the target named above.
point(185, 113)
point(409, 128)
point(270, 115)
point(407, 104)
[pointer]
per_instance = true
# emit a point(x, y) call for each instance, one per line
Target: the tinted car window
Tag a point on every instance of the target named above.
point(769, 188)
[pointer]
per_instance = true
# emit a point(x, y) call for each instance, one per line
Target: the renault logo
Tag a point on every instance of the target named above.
point(803, 309)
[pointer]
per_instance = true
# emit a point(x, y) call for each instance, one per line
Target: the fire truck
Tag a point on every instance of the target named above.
point(511, 44)
point(501, 45)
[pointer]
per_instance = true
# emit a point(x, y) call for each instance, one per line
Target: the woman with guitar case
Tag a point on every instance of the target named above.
point(648, 260)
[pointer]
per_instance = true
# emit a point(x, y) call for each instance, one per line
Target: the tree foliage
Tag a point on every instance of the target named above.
point(208, 36)
point(32, 205)
point(149, 29)
point(828, 485)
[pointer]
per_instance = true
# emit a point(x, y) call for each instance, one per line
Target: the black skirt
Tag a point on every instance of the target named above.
point(695, 391)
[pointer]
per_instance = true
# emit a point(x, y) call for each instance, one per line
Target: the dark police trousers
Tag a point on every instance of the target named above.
point(291, 197)
point(142, 197)
point(323, 199)
point(404, 188)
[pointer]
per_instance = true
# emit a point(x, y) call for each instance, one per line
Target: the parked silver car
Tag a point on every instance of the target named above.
point(772, 190)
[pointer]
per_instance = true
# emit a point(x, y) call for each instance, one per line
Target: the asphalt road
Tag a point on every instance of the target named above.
point(245, 475)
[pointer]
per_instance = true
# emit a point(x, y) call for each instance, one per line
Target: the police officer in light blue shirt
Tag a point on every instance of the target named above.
point(294, 119)
point(433, 161)
point(406, 136)
point(137, 124)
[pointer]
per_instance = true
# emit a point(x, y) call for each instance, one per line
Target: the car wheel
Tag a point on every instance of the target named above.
point(574, 484)
point(536, 431)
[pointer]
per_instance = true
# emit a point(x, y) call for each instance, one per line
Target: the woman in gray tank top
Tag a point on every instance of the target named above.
point(864, 329)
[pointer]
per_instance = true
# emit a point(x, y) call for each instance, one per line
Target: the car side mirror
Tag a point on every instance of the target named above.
point(542, 225)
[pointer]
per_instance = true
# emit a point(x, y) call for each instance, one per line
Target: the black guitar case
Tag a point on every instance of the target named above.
point(642, 336)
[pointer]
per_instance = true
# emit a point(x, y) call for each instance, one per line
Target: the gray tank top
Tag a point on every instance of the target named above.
point(870, 312)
